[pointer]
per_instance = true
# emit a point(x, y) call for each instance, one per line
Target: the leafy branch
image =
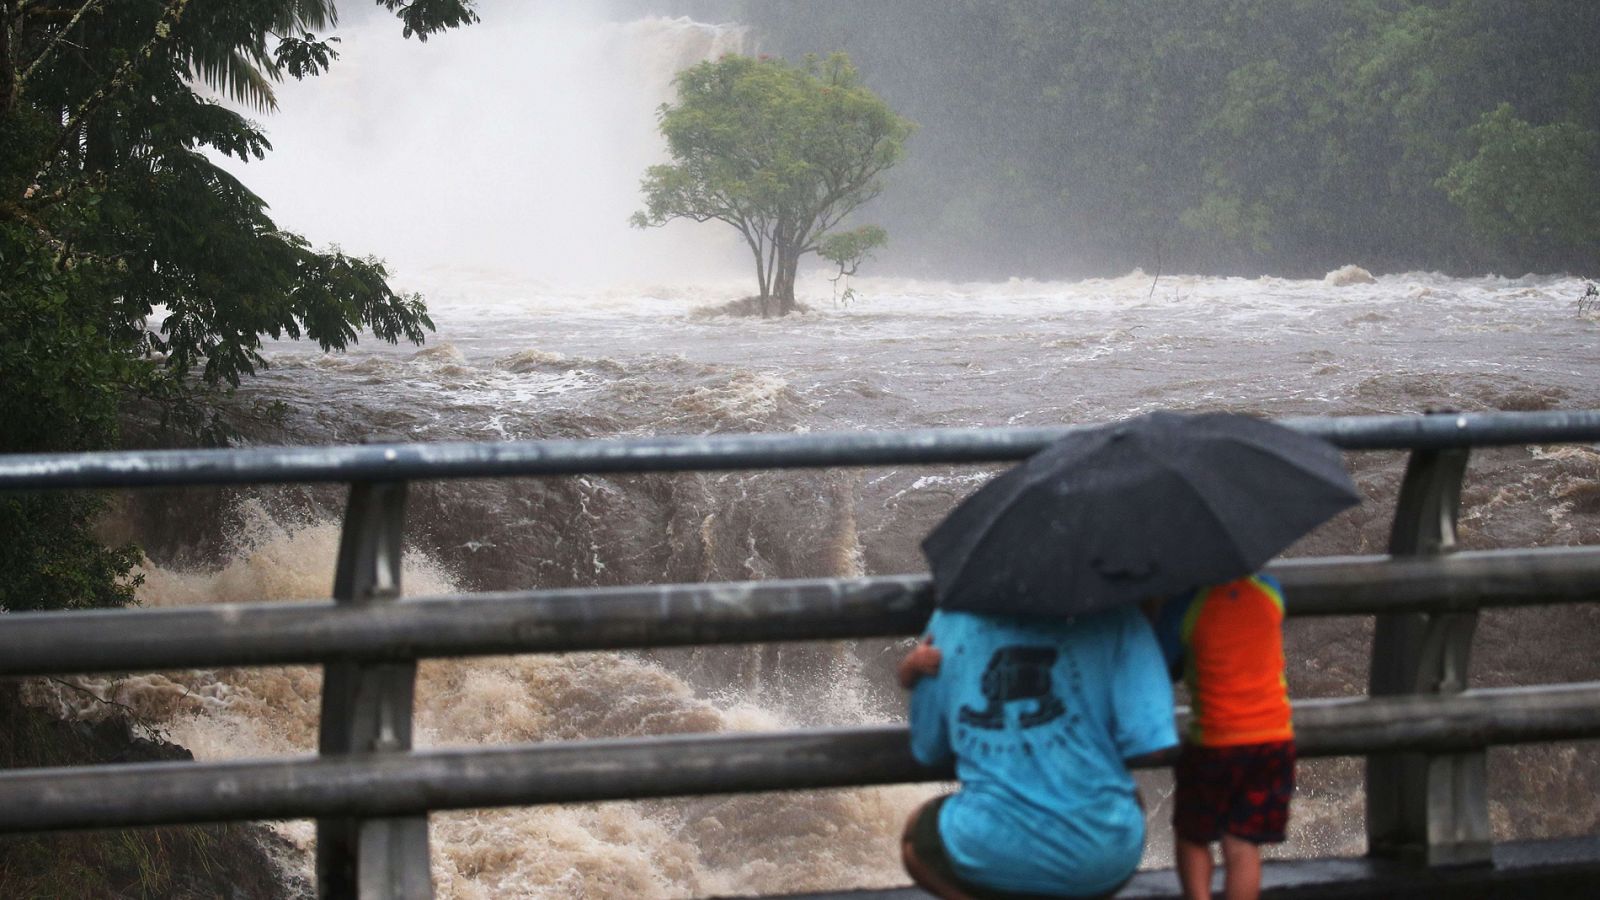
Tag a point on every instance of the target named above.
point(60, 37)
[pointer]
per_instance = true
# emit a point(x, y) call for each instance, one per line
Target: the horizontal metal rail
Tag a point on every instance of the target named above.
point(678, 615)
point(371, 806)
point(398, 784)
point(399, 462)
point(1454, 582)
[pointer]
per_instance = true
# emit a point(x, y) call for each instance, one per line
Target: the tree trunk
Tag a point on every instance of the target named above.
point(10, 46)
point(783, 279)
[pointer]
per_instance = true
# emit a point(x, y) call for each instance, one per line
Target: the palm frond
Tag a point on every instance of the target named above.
point(241, 74)
point(306, 15)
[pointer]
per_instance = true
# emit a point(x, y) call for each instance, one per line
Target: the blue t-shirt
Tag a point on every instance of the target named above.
point(1040, 714)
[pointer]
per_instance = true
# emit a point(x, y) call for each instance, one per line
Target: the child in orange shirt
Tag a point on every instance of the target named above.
point(1235, 773)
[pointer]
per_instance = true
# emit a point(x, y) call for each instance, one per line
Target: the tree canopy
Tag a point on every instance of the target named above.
point(783, 153)
point(111, 207)
point(1071, 137)
point(1536, 186)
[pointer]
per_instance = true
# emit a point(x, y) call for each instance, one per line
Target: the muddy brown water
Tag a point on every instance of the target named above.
point(516, 361)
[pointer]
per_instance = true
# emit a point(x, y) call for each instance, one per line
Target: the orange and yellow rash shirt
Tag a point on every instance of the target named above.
point(1228, 640)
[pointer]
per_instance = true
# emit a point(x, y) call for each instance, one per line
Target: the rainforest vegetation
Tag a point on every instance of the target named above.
point(1052, 138)
point(1055, 138)
point(1288, 137)
point(112, 205)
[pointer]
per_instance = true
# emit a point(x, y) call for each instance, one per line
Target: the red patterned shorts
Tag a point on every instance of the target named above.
point(1243, 791)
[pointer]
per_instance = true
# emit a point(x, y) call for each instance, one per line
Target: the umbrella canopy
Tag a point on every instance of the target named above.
point(1142, 508)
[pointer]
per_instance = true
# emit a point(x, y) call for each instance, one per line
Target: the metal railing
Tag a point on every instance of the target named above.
point(1423, 731)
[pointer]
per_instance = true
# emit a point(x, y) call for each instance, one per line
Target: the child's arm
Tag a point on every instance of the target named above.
point(919, 674)
point(922, 662)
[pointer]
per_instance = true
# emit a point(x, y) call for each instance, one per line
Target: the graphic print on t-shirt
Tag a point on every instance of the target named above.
point(1016, 674)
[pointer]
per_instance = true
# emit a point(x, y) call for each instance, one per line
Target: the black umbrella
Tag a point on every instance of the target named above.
point(1143, 508)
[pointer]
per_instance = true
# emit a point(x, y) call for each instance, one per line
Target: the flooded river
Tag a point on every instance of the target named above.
point(524, 351)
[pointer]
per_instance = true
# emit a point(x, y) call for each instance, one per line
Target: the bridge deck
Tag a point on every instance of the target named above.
point(1568, 867)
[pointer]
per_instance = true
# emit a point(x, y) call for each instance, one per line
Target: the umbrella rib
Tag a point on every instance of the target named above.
point(1293, 460)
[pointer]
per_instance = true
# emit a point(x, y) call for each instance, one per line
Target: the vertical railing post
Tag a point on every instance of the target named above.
point(1428, 808)
point(366, 708)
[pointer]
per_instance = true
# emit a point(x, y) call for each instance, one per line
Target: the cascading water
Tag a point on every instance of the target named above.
point(495, 168)
point(655, 849)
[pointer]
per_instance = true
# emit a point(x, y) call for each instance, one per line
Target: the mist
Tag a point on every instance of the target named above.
point(509, 149)
point(1056, 140)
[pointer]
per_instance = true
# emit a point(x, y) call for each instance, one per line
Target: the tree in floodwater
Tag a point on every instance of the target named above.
point(110, 208)
point(782, 153)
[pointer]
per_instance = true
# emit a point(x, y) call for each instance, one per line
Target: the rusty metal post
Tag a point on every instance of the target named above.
point(366, 708)
point(1428, 808)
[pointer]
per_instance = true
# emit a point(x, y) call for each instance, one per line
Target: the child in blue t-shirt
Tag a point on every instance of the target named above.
point(1040, 716)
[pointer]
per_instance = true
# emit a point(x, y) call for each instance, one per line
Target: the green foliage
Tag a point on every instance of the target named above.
point(304, 56)
point(1293, 136)
point(848, 249)
point(1527, 182)
point(125, 181)
point(423, 18)
point(111, 214)
point(62, 374)
point(783, 153)
point(1228, 217)
point(53, 560)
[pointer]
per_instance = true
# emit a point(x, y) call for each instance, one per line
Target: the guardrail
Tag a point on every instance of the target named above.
point(1423, 732)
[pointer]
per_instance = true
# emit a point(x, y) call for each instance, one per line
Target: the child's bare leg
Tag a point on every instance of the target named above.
point(1194, 868)
point(1242, 859)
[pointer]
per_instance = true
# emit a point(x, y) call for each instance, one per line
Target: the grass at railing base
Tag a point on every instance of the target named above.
point(200, 862)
